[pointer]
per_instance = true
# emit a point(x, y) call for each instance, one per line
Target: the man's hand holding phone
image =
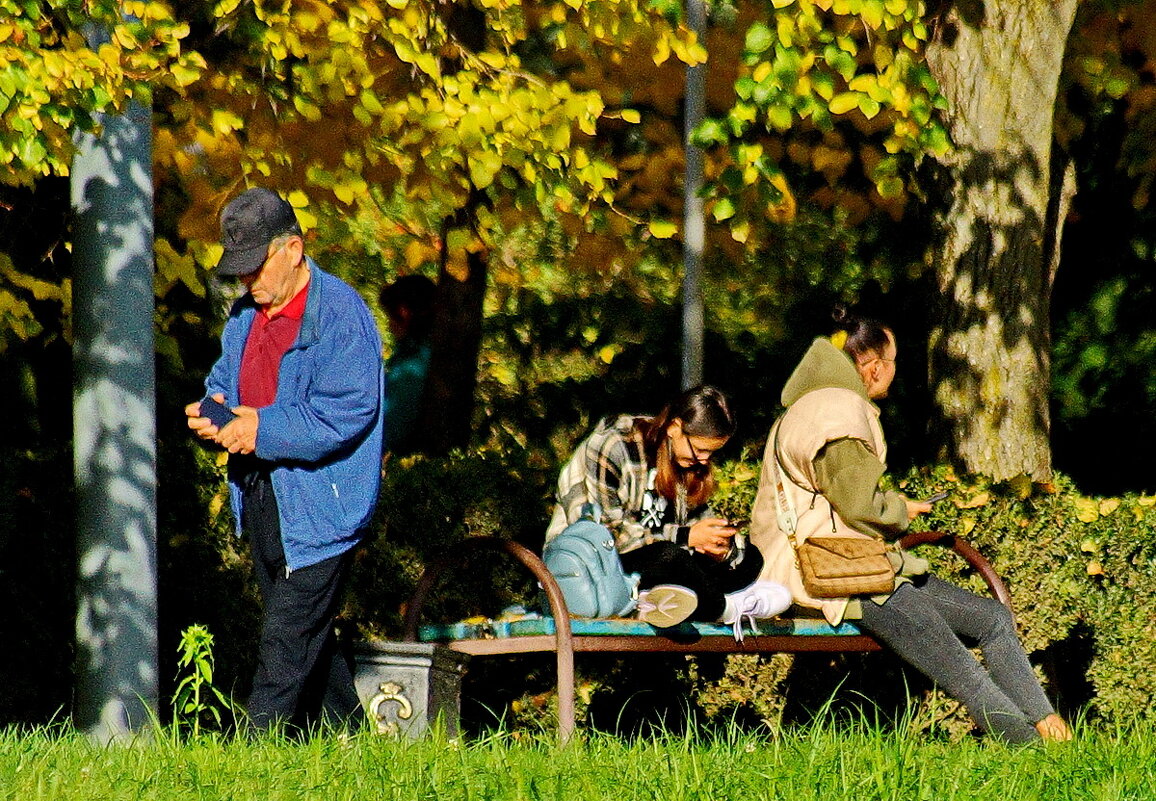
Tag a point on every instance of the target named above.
point(235, 429)
point(208, 416)
point(218, 413)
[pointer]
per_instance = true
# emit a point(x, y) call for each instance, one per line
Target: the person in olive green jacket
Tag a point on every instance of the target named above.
point(829, 450)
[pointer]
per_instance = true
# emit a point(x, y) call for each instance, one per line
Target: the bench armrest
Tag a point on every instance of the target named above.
point(519, 552)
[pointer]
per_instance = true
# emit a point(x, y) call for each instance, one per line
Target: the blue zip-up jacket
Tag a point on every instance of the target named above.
point(323, 431)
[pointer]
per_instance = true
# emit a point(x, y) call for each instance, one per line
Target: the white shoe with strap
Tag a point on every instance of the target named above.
point(762, 599)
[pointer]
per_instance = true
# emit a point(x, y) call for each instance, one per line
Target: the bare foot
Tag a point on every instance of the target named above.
point(1054, 729)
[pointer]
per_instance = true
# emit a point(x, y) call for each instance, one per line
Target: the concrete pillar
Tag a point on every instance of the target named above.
point(694, 224)
point(115, 428)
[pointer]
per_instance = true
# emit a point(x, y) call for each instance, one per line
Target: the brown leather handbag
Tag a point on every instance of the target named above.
point(838, 567)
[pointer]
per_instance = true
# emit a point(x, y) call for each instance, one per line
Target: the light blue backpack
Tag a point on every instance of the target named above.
point(585, 563)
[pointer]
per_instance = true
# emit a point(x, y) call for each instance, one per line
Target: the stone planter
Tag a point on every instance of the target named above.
point(405, 686)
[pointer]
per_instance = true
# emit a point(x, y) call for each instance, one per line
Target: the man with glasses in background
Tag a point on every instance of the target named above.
point(295, 398)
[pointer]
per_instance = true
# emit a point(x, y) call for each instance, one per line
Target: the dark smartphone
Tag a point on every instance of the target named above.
point(218, 413)
point(939, 496)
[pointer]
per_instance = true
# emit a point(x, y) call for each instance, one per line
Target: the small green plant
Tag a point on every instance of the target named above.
point(195, 697)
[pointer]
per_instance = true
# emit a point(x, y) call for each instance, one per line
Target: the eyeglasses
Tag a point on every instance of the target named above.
point(694, 454)
point(251, 277)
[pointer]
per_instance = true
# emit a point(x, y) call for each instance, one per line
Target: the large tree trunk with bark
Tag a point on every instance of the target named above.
point(998, 63)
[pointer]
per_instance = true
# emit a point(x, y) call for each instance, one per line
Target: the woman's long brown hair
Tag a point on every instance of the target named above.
point(704, 412)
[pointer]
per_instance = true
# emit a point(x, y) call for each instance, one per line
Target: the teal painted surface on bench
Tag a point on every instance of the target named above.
point(610, 627)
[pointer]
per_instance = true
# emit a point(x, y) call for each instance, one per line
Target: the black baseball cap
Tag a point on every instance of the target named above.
point(249, 223)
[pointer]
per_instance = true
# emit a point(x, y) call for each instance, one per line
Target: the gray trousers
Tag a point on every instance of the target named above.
point(927, 626)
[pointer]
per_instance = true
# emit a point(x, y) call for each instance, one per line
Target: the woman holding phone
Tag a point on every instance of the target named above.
point(651, 479)
point(827, 454)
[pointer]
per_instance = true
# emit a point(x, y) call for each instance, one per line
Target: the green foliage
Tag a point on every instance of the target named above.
point(55, 80)
point(196, 699)
point(428, 508)
point(824, 84)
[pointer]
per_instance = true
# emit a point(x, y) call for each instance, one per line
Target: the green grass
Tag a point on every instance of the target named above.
point(823, 763)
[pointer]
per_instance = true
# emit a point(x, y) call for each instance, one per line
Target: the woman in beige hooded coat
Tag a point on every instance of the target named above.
point(829, 450)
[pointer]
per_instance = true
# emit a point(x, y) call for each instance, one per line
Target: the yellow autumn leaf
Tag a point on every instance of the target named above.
point(307, 219)
point(1109, 505)
point(1146, 500)
point(209, 258)
point(1021, 486)
point(225, 121)
point(418, 253)
point(1095, 569)
point(661, 51)
point(183, 75)
point(662, 229)
point(225, 7)
point(1086, 510)
point(975, 501)
point(966, 525)
point(844, 102)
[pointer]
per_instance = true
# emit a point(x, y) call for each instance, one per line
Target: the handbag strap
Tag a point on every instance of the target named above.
point(786, 515)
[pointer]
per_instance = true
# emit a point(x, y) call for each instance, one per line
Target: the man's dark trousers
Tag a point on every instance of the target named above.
point(302, 676)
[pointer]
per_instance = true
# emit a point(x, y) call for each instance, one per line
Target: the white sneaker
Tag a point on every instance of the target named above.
point(665, 605)
point(760, 600)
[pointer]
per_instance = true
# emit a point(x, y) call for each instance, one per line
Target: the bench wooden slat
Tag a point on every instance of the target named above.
point(751, 644)
point(531, 625)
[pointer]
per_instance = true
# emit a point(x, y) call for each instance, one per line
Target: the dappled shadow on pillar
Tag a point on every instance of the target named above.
point(115, 437)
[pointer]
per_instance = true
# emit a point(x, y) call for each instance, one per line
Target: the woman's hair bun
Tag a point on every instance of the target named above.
point(842, 316)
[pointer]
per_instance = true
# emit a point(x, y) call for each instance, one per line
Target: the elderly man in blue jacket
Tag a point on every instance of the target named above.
point(300, 378)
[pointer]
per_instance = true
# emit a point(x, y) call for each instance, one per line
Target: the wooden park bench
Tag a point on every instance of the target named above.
point(565, 636)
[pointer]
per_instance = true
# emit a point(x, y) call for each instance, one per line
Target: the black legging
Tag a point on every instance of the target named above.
point(668, 563)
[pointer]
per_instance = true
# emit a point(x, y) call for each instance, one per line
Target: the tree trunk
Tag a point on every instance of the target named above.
point(455, 341)
point(998, 63)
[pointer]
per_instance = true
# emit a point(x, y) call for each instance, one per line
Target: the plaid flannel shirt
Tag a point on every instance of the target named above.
point(609, 468)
